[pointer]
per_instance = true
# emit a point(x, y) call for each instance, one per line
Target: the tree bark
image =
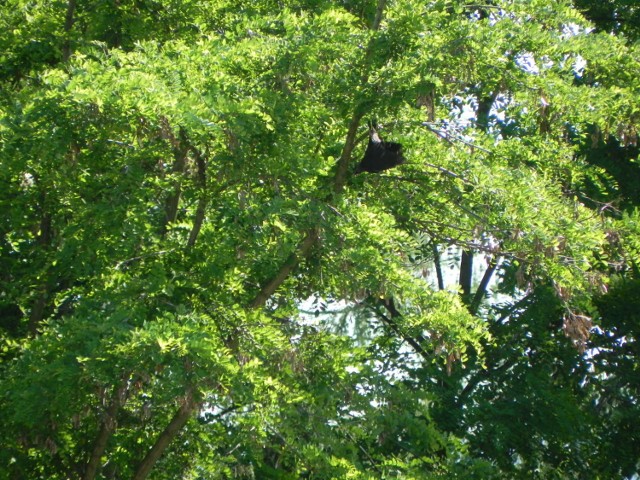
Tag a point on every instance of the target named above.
point(37, 310)
point(466, 275)
point(171, 431)
point(379, 12)
point(345, 157)
point(180, 152)
point(171, 205)
point(482, 288)
point(339, 182)
point(304, 247)
point(202, 201)
point(69, 20)
point(438, 265)
point(302, 251)
point(389, 304)
point(349, 144)
point(483, 113)
point(106, 429)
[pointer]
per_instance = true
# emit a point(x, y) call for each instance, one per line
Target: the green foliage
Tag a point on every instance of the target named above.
point(615, 387)
point(172, 194)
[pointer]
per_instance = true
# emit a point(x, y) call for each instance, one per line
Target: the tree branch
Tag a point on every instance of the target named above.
point(106, 429)
point(349, 144)
point(393, 311)
point(69, 20)
point(379, 12)
point(202, 201)
point(345, 157)
point(482, 288)
point(301, 252)
point(180, 151)
point(179, 420)
point(342, 169)
point(438, 265)
point(311, 236)
point(452, 139)
point(480, 376)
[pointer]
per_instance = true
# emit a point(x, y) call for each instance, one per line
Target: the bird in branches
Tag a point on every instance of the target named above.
point(380, 155)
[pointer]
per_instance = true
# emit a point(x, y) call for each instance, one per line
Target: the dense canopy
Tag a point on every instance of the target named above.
point(194, 284)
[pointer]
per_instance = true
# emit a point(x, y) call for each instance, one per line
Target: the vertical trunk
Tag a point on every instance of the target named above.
point(172, 202)
point(345, 157)
point(180, 151)
point(68, 25)
point(466, 275)
point(37, 310)
point(438, 265)
point(202, 201)
point(482, 288)
point(198, 220)
point(379, 12)
point(483, 113)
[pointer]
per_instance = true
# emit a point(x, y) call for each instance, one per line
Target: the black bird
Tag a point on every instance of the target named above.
point(380, 155)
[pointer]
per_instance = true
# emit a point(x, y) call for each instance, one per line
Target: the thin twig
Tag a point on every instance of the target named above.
point(141, 257)
point(448, 137)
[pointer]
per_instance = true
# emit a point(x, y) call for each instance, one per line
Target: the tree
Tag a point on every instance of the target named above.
point(177, 182)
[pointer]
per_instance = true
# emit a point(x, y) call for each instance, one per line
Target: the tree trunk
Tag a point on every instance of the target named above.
point(180, 152)
point(466, 275)
point(438, 265)
point(68, 25)
point(482, 288)
point(202, 201)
